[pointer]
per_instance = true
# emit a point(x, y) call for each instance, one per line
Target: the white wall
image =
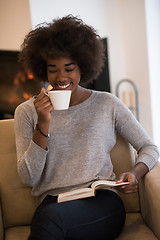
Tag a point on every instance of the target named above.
point(153, 41)
point(135, 55)
point(15, 22)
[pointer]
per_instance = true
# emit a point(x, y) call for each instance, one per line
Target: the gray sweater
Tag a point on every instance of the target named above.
point(81, 139)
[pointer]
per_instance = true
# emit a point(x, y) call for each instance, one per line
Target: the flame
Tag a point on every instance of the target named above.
point(14, 99)
point(19, 78)
point(27, 96)
point(30, 75)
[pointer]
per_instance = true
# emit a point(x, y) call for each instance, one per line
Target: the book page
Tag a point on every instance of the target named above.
point(102, 184)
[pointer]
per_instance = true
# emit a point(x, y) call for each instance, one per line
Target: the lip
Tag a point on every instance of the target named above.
point(63, 86)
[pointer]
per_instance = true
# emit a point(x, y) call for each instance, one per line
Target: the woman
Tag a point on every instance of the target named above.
point(66, 52)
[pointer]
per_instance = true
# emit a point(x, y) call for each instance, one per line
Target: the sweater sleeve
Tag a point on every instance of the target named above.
point(128, 126)
point(30, 157)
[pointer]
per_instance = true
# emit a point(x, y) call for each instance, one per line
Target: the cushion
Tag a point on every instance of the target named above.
point(15, 197)
point(17, 233)
point(136, 229)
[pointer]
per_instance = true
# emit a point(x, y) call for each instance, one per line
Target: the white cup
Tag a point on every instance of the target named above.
point(60, 99)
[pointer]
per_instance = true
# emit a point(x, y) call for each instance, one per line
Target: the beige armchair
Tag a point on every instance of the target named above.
point(17, 206)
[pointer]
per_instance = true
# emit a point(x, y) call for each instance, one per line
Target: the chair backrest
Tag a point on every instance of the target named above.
point(123, 159)
point(17, 203)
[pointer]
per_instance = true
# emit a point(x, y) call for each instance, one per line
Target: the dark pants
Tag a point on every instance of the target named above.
point(96, 218)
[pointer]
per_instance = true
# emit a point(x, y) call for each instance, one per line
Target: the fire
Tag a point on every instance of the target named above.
point(14, 99)
point(27, 96)
point(30, 75)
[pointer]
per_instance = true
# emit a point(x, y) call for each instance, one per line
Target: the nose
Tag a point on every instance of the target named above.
point(62, 76)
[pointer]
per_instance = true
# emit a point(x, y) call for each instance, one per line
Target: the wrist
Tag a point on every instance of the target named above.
point(43, 125)
point(139, 170)
point(42, 132)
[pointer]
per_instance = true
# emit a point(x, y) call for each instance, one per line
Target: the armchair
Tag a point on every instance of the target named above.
point(17, 205)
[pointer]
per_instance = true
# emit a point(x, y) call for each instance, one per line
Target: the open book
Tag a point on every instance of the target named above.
point(88, 192)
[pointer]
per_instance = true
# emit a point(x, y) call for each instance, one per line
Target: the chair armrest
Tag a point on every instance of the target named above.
point(1, 225)
point(150, 199)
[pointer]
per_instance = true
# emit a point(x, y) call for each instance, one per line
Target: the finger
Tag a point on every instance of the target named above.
point(41, 95)
point(43, 90)
point(50, 108)
point(128, 188)
point(41, 99)
point(41, 106)
point(121, 178)
point(130, 191)
point(47, 105)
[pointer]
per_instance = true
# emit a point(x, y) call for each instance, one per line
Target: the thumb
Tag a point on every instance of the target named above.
point(121, 178)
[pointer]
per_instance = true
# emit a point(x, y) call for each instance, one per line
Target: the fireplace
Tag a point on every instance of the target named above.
point(16, 86)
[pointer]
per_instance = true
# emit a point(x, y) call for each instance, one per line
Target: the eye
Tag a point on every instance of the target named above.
point(70, 70)
point(52, 71)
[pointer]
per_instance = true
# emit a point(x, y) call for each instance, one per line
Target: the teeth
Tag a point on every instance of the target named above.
point(64, 86)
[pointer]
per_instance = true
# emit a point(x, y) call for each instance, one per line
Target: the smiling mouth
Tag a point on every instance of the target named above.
point(64, 86)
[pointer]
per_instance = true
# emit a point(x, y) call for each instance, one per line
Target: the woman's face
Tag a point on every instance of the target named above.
point(63, 74)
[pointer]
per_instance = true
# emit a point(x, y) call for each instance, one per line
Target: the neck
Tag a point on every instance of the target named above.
point(79, 95)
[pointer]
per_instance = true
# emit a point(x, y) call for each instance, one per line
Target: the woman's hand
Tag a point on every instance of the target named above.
point(44, 108)
point(133, 176)
point(133, 183)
